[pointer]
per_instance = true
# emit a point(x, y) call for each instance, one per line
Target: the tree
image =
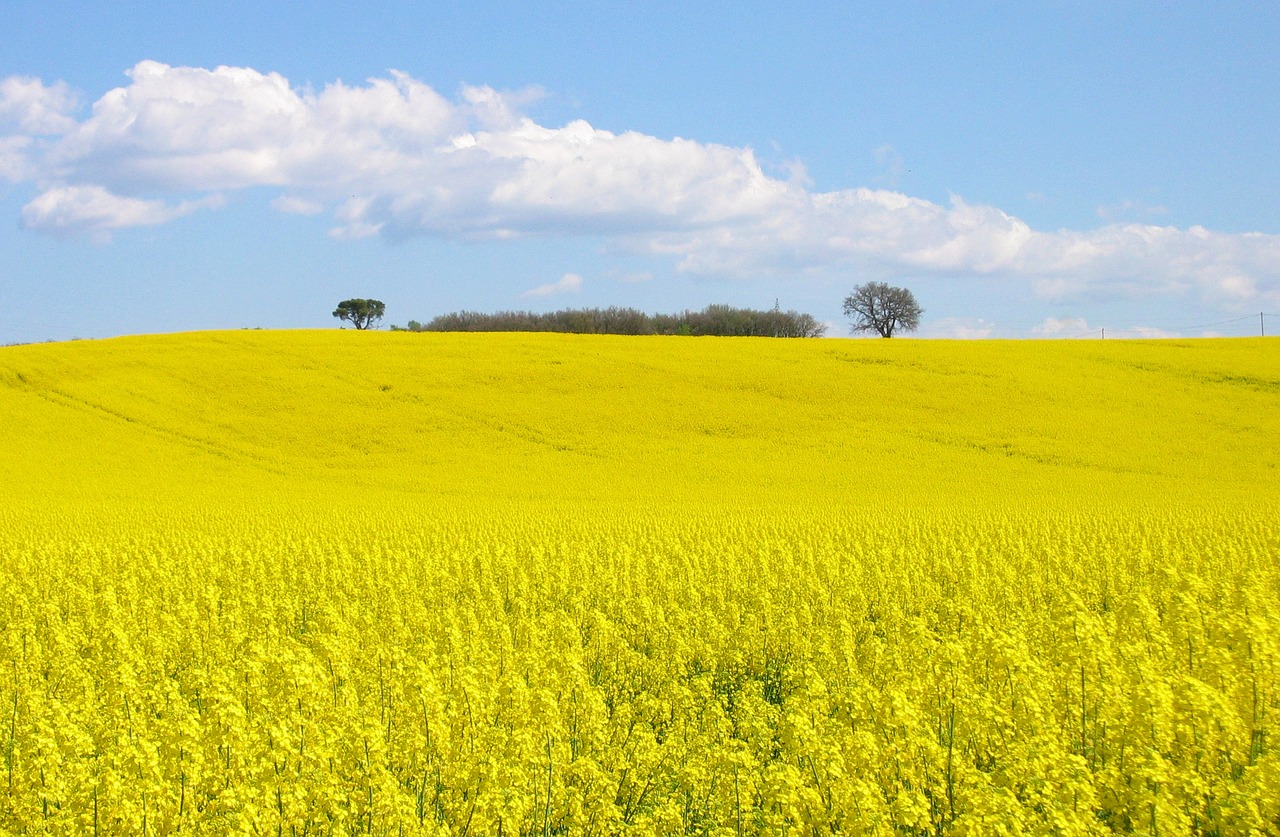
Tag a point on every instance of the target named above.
point(882, 308)
point(362, 313)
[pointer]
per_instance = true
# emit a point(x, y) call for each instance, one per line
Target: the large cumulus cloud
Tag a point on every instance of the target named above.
point(393, 157)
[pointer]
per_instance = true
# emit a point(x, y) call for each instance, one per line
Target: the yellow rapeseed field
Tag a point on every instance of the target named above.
point(341, 582)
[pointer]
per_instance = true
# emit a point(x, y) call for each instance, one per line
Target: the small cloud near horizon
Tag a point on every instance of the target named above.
point(956, 328)
point(1078, 327)
point(569, 283)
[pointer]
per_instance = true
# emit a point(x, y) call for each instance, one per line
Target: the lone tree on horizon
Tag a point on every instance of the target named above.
point(882, 308)
point(362, 313)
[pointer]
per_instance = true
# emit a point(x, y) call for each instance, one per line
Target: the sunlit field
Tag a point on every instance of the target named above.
point(346, 582)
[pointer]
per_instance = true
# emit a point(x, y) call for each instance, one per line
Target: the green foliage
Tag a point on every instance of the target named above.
point(361, 313)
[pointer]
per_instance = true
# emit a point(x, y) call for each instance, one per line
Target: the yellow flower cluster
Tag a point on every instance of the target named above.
point(400, 584)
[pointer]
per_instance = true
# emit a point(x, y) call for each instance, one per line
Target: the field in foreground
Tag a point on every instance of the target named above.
point(336, 582)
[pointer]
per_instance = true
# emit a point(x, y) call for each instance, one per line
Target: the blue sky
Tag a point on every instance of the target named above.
point(1028, 169)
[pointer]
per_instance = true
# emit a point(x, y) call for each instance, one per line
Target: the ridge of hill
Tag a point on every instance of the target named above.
point(581, 417)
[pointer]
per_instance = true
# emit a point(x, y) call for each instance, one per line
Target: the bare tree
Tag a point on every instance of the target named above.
point(882, 308)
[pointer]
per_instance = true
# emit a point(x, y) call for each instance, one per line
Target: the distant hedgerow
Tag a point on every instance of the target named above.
point(714, 320)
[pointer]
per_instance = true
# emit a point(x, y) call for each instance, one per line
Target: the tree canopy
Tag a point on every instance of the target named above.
point(361, 313)
point(882, 308)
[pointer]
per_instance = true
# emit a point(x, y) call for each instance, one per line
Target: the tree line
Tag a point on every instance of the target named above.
point(714, 320)
point(874, 306)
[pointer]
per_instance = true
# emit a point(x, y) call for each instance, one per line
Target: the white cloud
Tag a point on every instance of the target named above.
point(70, 210)
point(892, 165)
point(292, 205)
point(36, 109)
point(498, 111)
point(1147, 333)
point(569, 283)
point(355, 231)
point(957, 328)
point(354, 213)
point(15, 163)
point(1064, 327)
point(394, 158)
point(1077, 327)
